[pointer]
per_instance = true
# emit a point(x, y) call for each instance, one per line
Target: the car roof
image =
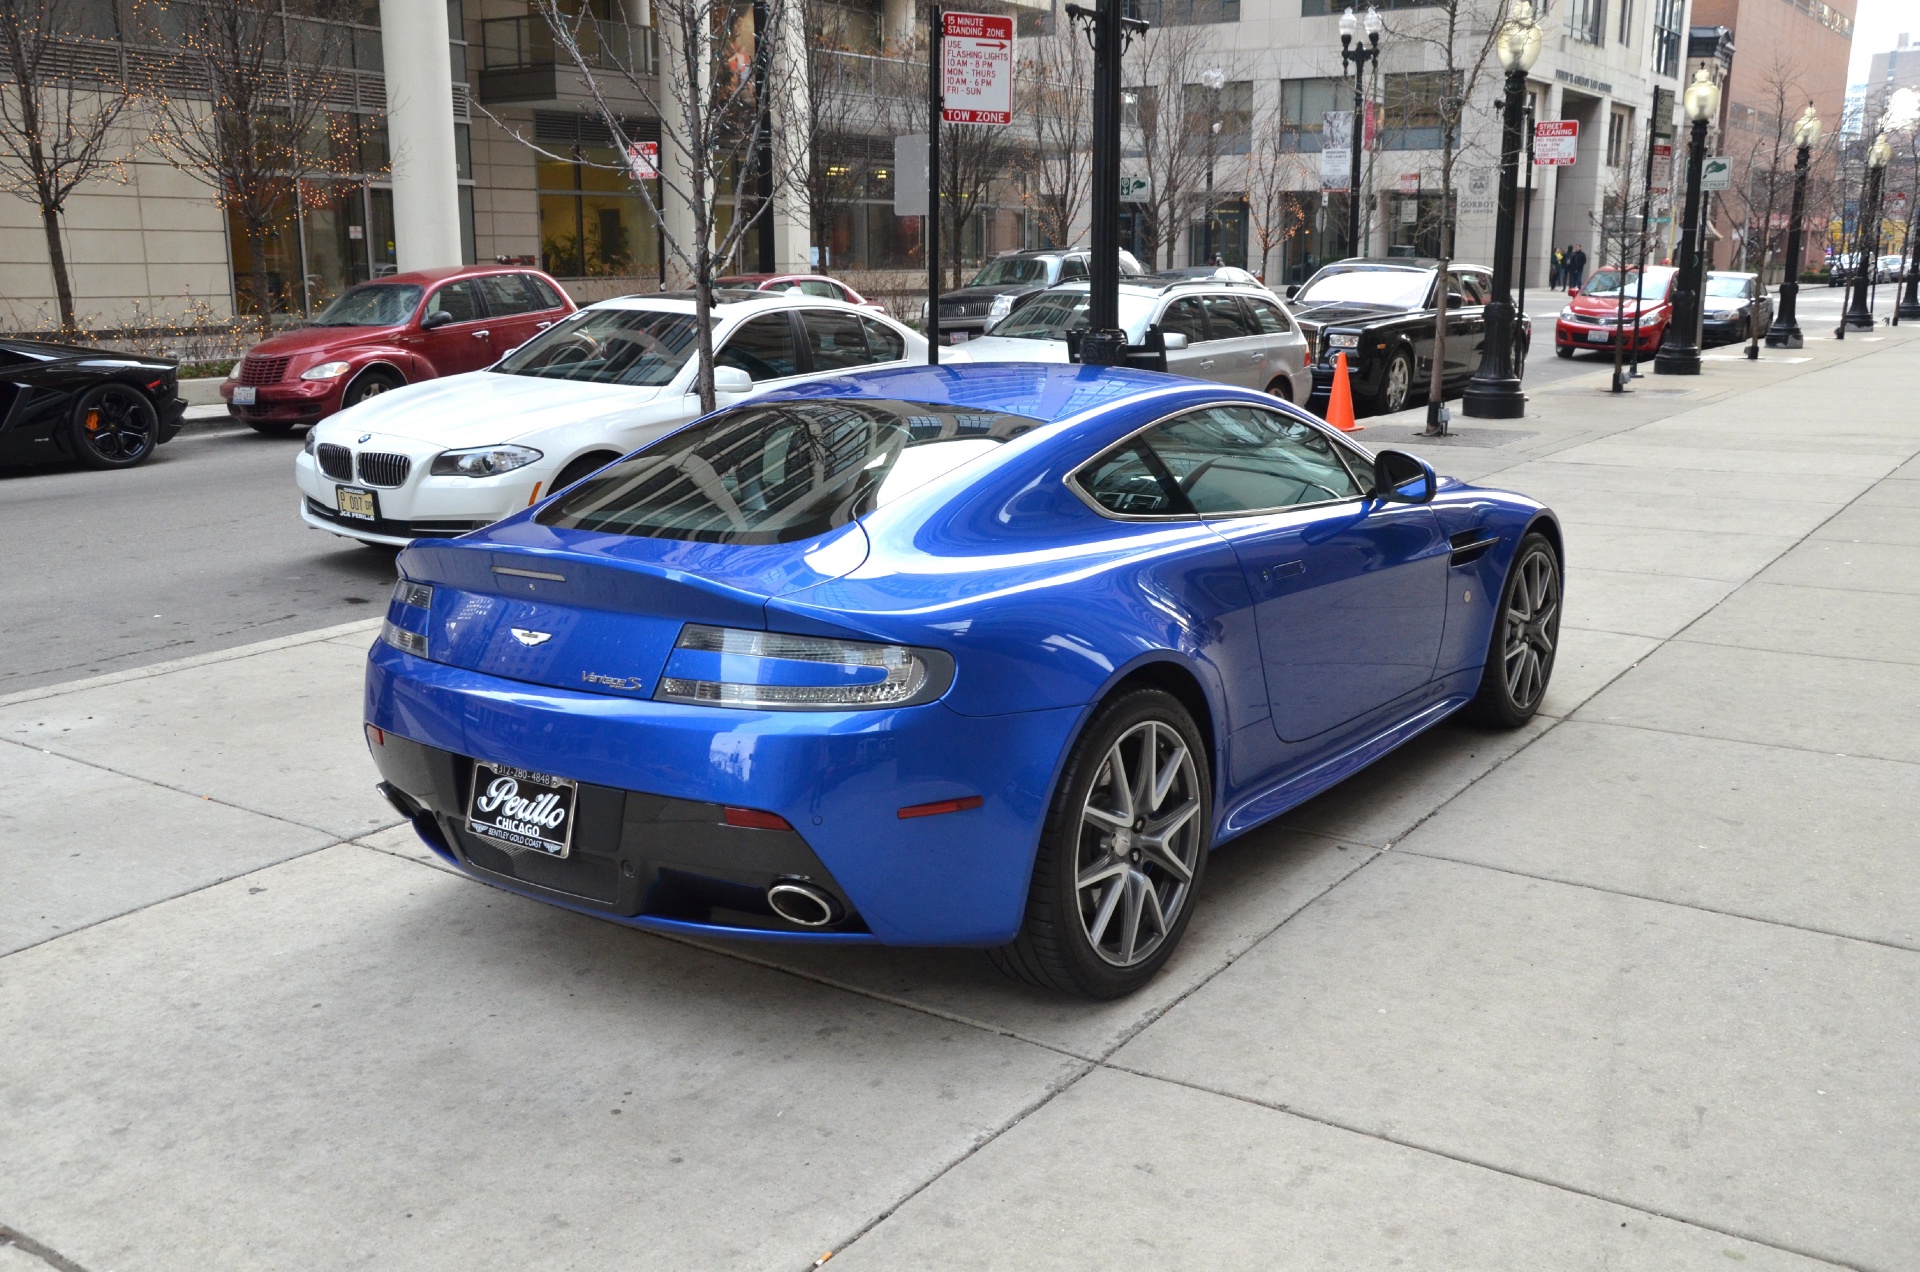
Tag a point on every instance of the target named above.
point(1044, 391)
point(724, 298)
point(428, 277)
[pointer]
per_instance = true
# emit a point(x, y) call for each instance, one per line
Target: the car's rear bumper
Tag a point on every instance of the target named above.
point(838, 778)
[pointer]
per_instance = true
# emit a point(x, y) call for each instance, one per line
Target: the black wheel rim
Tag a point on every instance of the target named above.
point(1139, 844)
point(118, 426)
point(1533, 628)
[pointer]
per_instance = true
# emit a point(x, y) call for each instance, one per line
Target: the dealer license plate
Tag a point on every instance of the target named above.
point(353, 501)
point(243, 395)
point(1599, 337)
point(511, 806)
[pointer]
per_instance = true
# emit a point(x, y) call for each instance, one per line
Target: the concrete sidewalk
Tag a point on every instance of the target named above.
point(1632, 988)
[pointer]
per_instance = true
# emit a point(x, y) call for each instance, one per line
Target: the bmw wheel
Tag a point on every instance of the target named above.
point(1121, 855)
point(1396, 386)
point(114, 426)
point(1526, 636)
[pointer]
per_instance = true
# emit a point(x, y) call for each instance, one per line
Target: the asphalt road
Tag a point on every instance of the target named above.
point(199, 549)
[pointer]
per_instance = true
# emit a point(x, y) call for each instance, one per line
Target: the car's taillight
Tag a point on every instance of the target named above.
point(774, 671)
point(411, 605)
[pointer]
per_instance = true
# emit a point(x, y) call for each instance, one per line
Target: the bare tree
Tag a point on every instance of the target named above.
point(1056, 92)
point(1165, 132)
point(1763, 167)
point(59, 109)
point(243, 106)
point(1273, 174)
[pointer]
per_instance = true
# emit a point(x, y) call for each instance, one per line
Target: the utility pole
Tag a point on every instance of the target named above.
point(1109, 31)
point(936, 107)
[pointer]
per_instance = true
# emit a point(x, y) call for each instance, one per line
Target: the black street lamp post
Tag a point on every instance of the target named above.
point(1785, 332)
point(1109, 31)
point(1866, 243)
point(1909, 307)
point(1358, 55)
point(1494, 392)
point(1680, 347)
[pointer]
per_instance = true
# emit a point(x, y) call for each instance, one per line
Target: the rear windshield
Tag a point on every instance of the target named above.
point(608, 346)
point(370, 305)
point(777, 472)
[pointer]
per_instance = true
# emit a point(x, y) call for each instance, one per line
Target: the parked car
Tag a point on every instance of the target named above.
point(1008, 281)
point(1233, 333)
point(806, 284)
point(378, 336)
point(1842, 268)
point(70, 402)
point(1614, 301)
point(1380, 313)
point(1892, 267)
point(1735, 308)
point(452, 455)
point(987, 655)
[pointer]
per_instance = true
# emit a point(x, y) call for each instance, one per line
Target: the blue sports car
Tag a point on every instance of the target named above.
point(987, 655)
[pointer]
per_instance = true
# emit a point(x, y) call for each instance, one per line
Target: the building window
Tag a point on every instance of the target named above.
point(1413, 107)
point(1587, 21)
point(1667, 16)
point(1234, 113)
point(1616, 139)
point(1304, 104)
point(1320, 8)
point(1625, 33)
point(1188, 12)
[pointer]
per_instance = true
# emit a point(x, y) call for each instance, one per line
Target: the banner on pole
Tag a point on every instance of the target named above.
point(1556, 143)
point(976, 68)
point(1336, 150)
point(910, 175)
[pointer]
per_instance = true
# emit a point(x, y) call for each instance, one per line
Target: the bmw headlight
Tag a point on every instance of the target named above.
point(482, 461)
point(326, 371)
point(312, 444)
point(773, 671)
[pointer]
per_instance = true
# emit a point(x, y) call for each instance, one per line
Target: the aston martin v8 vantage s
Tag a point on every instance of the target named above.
point(987, 655)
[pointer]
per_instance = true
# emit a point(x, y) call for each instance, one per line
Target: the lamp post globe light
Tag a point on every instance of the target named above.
point(1866, 242)
point(1358, 55)
point(1494, 392)
point(1680, 347)
point(1214, 78)
point(1785, 332)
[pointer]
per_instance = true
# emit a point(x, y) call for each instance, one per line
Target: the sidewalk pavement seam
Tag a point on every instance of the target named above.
point(1463, 1159)
point(1682, 639)
point(1721, 737)
point(237, 652)
point(47, 1255)
point(1669, 901)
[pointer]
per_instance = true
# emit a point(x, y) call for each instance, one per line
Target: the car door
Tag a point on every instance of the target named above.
point(463, 341)
point(1239, 350)
point(551, 306)
point(1184, 317)
point(837, 342)
point(1349, 591)
point(511, 310)
point(1286, 348)
point(765, 347)
point(1466, 323)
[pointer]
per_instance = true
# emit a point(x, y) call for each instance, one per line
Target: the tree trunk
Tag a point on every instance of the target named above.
point(57, 259)
point(257, 247)
point(703, 313)
point(1437, 381)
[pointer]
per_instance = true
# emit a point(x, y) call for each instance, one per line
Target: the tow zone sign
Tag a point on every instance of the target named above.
point(976, 68)
point(1556, 143)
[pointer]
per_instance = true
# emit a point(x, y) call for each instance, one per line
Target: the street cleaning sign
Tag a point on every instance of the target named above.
point(976, 68)
point(1556, 143)
point(643, 160)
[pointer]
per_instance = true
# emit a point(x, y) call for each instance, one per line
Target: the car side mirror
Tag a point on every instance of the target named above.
point(731, 380)
point(1293, 289)
point(1402, 478)
point(1175, 340)
point(1456, 301)
point(438, 318)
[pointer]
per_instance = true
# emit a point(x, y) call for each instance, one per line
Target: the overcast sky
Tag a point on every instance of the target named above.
point(1876, 28)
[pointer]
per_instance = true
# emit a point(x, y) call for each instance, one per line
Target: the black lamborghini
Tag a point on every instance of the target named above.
point(66, 402)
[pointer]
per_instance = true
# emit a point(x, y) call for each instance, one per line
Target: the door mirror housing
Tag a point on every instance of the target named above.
point(438, 318)
point(1402, 478)
point(1175, 340)
point(1293, 289)
point(731, 380)
point(1456, 301)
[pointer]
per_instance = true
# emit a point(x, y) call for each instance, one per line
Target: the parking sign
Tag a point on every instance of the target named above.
point(976, 68)
point(1556, 143)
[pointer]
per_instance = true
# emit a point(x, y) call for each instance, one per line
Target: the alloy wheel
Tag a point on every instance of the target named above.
point(1532, 606)
point(1399, 383)
point(118, 427)
point(1139, 844)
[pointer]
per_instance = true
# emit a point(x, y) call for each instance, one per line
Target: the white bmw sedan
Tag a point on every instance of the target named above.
point(446, 456)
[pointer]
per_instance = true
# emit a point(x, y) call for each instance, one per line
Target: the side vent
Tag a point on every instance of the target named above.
point(1470, 545)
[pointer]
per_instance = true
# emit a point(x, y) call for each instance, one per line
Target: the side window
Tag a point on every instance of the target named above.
point(1132, 482)
point(1183, 316)
point(1479, 288)
point(820, 287)
point(1235, 459)
point(506, 296)
point(1225, 319)
point(836, 340)
point(549, 298)
point(1073, 267)
point(763, 348)
point(1268, 317)
point(457, 299)
point(883, 343)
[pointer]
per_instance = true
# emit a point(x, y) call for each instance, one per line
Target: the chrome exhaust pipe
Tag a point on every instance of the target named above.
point(798, 901)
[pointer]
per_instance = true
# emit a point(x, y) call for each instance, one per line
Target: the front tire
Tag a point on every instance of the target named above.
point(369, 384)
point(1121, 855)
point(1396, 384)
point(1526, 637)
point(114, 426)
point(1565, 351)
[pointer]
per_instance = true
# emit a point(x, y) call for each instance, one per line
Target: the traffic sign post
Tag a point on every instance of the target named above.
point(1556, 143)
point(976, 68)
point(643, 160)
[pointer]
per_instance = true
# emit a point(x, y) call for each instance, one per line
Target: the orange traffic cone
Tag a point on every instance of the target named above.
point(1340, 399)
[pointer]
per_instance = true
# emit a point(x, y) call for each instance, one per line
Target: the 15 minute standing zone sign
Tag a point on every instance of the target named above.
point(976, 67)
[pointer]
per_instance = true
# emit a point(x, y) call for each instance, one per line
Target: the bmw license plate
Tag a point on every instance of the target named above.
point(243, 395)
point(1599, 337)
point(532, 811)
point(357, 502)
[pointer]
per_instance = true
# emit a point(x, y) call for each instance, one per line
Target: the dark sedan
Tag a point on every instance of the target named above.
point(68, 402)
point(1736, 308)
point(1380, 313)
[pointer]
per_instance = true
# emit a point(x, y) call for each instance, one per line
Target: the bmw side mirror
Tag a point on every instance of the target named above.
point(438, 318)
point(731, 380)
point(1175, 340)
point(1402, 478)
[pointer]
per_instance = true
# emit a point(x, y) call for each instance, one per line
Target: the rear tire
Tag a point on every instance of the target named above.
point(1281, 388)
point(114, 426)
point(1526, 637)
point(1121, 854)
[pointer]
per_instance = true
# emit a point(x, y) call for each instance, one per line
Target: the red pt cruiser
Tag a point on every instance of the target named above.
point(381, 335)
point(1614, 300)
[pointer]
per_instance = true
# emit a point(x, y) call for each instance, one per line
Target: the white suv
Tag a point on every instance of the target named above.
point(446, 456)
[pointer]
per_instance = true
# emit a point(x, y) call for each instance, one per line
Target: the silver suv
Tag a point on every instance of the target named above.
point(1232, 332)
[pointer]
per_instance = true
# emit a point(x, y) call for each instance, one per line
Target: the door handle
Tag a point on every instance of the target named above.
point(482, 334)
point(1207, 365)
point(543, 325)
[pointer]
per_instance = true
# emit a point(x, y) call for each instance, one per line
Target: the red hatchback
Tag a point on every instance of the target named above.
point(394, 331)
point(805, 284)
point(1591, 318)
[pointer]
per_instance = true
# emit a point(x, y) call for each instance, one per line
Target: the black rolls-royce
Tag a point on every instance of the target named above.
point(68, 402)
point(1380, 314)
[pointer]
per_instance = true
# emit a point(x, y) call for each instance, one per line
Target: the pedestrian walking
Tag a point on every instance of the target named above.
point(1556, 269)
point(1576, 267)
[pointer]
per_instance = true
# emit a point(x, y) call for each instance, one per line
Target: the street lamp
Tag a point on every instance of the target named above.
point(1359, 55)
point(1494, 392)
point(1680, 347)
point(1213, 77)
point(1785, 332)
point(1866, 243)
